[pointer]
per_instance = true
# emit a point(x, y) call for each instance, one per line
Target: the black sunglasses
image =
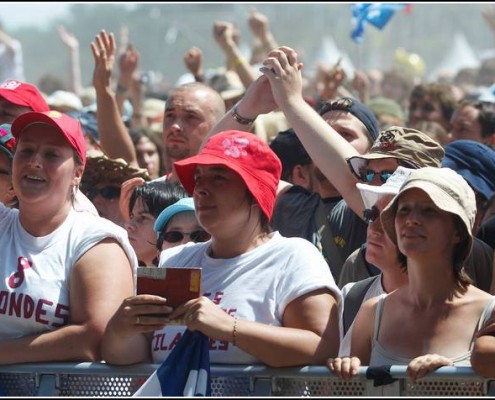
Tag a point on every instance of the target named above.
point(176, 236)
point(371, 214)
point(107, 192)
point(367, 175)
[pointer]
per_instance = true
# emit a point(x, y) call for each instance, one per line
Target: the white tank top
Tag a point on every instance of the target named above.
point(381, 356)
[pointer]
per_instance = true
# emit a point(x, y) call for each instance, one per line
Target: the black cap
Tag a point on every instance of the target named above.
point(287, 146)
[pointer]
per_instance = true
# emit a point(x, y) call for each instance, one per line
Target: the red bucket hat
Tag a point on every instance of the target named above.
point(23, 94)
point(69, 127)
point(244, 153)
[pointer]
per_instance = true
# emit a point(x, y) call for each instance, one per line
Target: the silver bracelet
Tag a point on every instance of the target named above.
point(240, 119)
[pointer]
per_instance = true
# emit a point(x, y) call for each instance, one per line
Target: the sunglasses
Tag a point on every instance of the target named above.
point(342, 104)
point(107, 192)
point(176, 236)
point(371, 214)
point(368, 175)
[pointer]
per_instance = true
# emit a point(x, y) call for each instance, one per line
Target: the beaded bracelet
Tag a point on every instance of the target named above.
point(240, 119)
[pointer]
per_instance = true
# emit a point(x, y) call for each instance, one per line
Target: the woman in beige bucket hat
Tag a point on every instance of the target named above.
point(432, 320)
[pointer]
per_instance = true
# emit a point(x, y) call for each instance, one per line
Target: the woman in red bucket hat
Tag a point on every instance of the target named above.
point(265, 298)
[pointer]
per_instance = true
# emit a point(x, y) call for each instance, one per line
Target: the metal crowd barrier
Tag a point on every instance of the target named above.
point(103, 380)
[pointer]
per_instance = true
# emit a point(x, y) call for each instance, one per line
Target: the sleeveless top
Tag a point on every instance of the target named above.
point(381, 356)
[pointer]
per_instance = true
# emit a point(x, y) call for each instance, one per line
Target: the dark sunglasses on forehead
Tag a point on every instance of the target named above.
point(342, 104)
point(176, 236)
point(107, 192)
point(371, 214)
point(367, 175)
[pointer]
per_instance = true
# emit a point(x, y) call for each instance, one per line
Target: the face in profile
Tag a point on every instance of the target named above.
point(380, 250)
point(106, 196)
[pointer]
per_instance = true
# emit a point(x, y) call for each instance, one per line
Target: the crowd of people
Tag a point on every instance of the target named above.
point(313, 206)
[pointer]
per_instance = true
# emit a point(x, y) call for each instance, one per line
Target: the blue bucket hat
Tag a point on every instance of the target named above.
point(7, 141)
point(475, 162)
point(185, 204)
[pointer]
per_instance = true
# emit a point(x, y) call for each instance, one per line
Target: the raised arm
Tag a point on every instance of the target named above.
point(114, 137)
point(259, 26)
point(224, 34)
point(324, 144)
point(193, 60)
point(72, 44)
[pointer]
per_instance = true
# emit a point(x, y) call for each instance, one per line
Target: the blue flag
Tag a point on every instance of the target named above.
point(377, 14)
point(185, 372)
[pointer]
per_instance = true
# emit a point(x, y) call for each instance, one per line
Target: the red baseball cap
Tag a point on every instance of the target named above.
point(244, 153)
point(23, 94)
point(69, 127)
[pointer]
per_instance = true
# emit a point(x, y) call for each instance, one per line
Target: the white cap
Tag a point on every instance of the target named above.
point(371, 194)
point(64, 101)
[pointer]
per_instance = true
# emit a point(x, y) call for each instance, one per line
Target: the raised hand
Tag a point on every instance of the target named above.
point(68, 38)
point(193, 60)
point(103, 49)
point(283, 70)
point(126, 190)
point(258, 23)
point(128, 65)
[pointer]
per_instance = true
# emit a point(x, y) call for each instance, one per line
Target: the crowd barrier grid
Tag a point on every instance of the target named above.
point(103, 380)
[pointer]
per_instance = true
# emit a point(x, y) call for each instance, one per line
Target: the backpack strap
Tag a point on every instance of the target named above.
point(325, 236)
point(354, 299)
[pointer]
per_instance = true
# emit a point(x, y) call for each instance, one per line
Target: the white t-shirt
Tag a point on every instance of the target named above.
point(256, 286)
point(35, 271)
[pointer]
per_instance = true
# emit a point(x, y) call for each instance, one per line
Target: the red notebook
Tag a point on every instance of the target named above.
point(177, 285)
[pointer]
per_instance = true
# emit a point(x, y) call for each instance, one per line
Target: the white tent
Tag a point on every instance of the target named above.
point(460, 55)
point(328, 53)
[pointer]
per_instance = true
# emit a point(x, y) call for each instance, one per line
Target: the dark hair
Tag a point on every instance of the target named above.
point(439, 92)
point(486, 117)
point(460, 254)
point(157, 195)
point(264, 221)
point(291, 152)
point(137, 133)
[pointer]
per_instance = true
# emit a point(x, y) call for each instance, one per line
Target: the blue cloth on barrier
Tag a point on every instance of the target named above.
point(185, 372)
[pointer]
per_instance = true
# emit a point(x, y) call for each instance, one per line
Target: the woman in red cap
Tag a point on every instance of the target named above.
point(56, 262)
point(266, 298)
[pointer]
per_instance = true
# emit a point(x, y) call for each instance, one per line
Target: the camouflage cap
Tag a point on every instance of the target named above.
point(411, 148)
